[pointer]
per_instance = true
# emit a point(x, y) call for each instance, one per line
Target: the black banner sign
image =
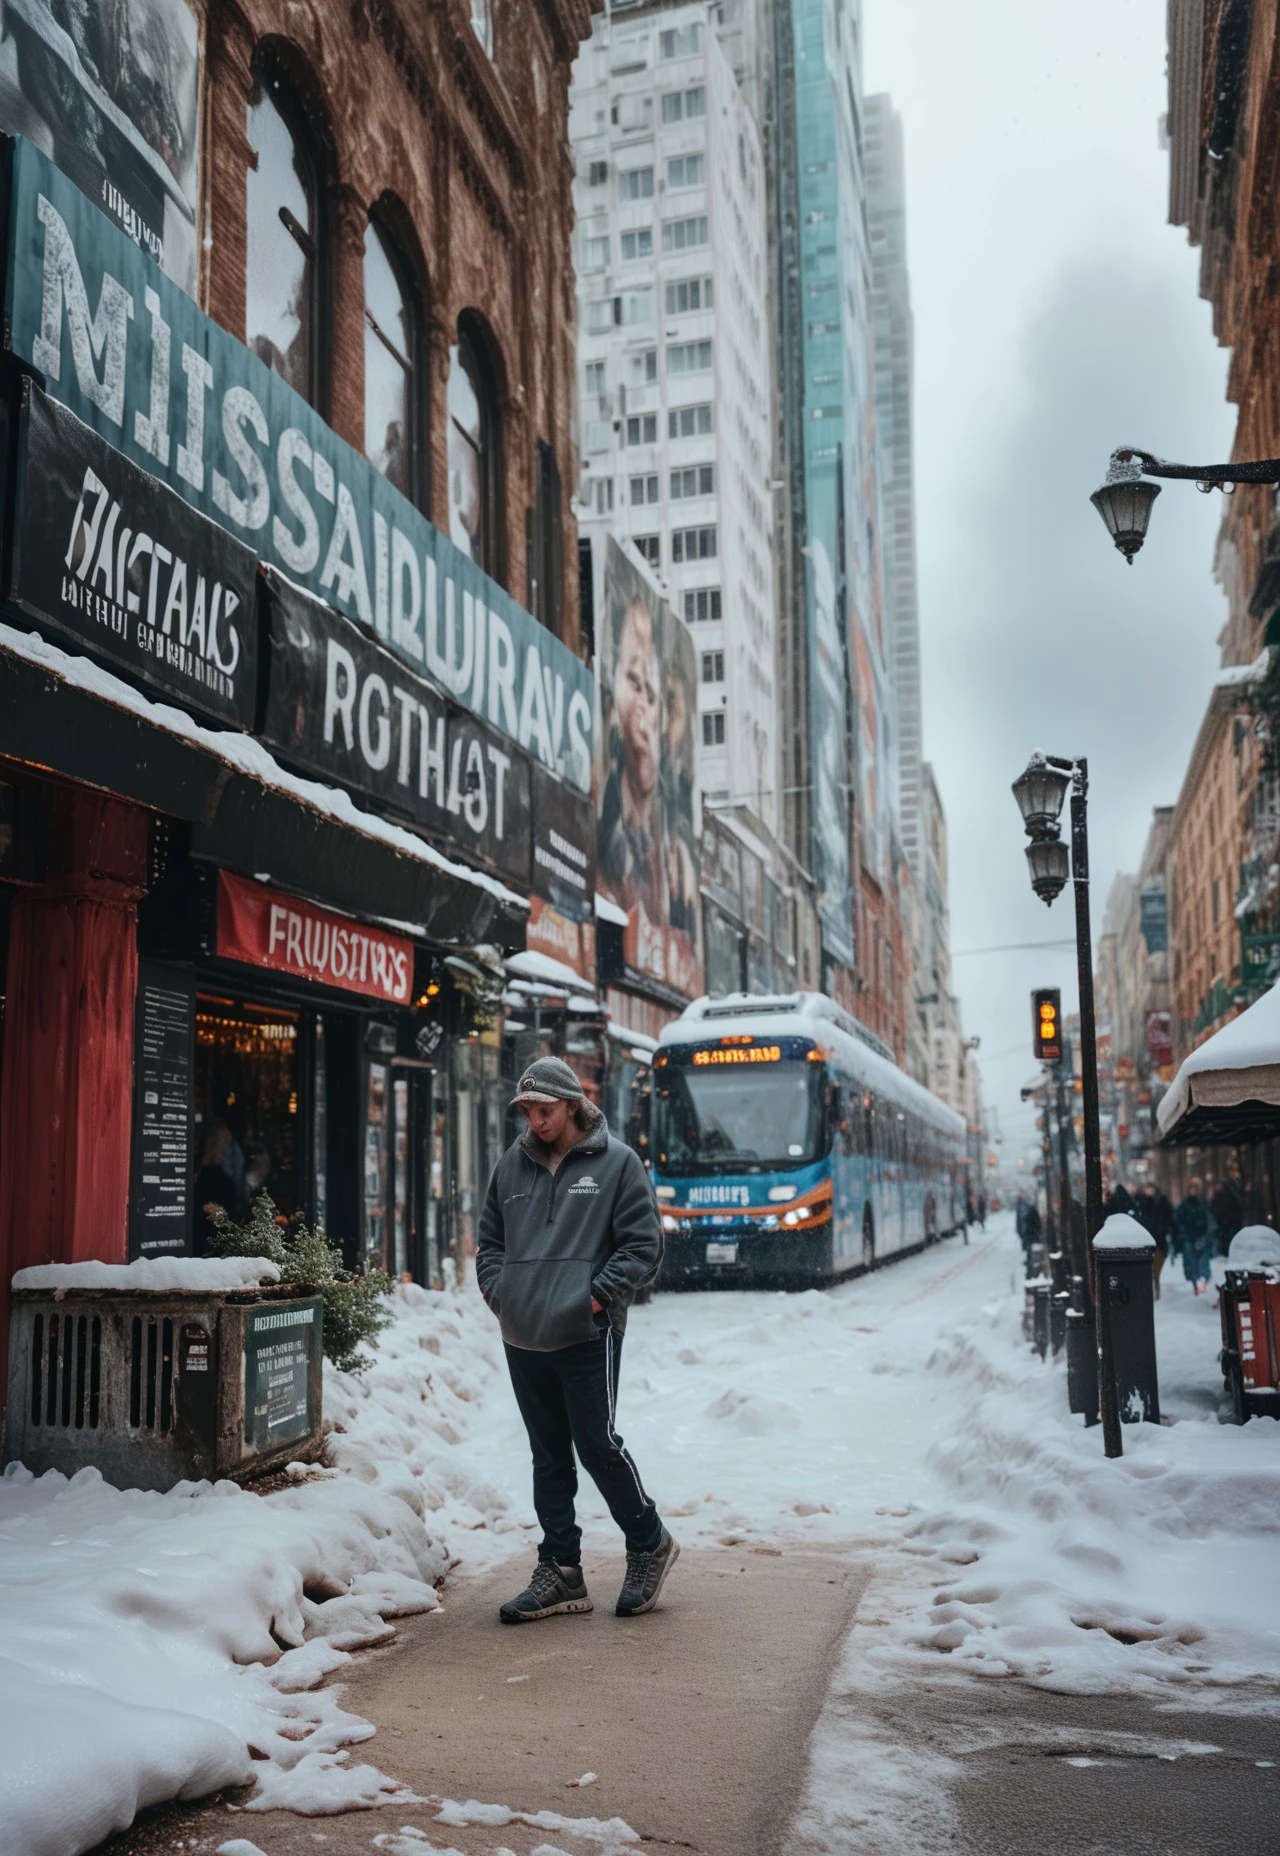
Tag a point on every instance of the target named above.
point(164, 1039)
point(107, 556)
point(564, 847)
point(341, 706)
point(281, 1371)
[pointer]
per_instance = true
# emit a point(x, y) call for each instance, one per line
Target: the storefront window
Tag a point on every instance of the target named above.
point(376, 1132)
point(437, 1210)
point(400, 1199)
point(479, 1102)
point(246, 1108)
point(320, 1123)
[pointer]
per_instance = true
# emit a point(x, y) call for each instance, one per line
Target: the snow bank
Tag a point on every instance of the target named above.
point(160, 1646)
point(184, 1275)
point(1152, 1574)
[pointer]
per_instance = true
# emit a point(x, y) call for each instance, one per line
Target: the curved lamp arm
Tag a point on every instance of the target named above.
point(1260, 470)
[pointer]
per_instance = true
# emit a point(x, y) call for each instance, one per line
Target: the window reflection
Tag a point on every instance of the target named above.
point(281, 254)
point(467, 461)
point(390, 441)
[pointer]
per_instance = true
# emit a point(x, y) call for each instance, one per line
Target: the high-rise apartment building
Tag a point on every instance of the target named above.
point(674, 362)
point(933, 972)
point(891, 302)
point(840, 735)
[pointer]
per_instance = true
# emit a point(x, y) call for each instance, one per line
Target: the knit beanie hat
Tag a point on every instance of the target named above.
point(549, 1079)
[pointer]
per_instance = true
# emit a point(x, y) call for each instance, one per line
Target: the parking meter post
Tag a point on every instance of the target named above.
point(1040, 1315)
point(1082, 1359)
point(1122, 1253)
point(1059, 1303)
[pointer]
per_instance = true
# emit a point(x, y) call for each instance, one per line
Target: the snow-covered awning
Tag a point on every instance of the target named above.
point(532, 966)
point(245, 809)
point(607, 911)
point(640, 1046)
point(1229, 1088)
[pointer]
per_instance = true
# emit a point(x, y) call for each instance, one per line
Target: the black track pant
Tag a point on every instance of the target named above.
point(567, 1402)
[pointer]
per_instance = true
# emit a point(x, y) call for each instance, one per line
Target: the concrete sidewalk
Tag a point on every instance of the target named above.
point(696, 1718)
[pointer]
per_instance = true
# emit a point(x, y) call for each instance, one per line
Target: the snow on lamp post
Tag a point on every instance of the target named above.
point(1124, 500)
point(1040, 791)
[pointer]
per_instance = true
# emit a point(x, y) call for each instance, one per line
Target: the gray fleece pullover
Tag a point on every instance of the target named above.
point(551, 1241)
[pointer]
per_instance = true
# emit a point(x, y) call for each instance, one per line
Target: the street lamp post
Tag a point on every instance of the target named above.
point(1040, 792)
point(1125, 499)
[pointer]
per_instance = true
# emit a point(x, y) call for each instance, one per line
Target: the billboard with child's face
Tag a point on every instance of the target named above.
point(646, 778)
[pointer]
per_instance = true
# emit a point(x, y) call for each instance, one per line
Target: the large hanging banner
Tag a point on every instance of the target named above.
point(344, 707)
point(109, 559)
point(647, 846)
point(131, 355)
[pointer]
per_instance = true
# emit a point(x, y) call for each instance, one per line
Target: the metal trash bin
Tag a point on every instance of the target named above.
point(1122, 1252)
point(1250, 1356)
point(153, 1386)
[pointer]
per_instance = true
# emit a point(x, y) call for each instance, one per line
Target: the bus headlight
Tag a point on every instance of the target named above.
point(800, 1213)
point(669, 1223)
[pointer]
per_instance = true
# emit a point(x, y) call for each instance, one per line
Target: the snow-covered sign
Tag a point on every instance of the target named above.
point(129, 353)
point(1238, 1065)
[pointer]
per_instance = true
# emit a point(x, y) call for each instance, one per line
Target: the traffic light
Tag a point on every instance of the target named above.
point(1046, 1024)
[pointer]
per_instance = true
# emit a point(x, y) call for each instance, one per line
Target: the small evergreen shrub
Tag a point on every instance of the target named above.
point(354, 1305)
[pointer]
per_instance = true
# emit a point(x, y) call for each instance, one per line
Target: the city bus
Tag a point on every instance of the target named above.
point(789, 1148)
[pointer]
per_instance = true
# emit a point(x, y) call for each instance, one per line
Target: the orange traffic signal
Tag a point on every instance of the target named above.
point(1046, 1025)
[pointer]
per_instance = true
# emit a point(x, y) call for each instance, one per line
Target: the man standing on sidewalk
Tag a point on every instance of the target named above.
point(568, 1234)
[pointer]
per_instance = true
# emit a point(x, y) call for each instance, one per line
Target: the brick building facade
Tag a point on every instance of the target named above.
point(284, 227)
point(1224, 108)
point(457, 156)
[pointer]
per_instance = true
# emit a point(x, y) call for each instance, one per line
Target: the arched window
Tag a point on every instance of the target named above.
point(393, 425)
point(282, 259)
point(474, 454)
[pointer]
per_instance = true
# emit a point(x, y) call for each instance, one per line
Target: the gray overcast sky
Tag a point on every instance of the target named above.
point(1056, 316)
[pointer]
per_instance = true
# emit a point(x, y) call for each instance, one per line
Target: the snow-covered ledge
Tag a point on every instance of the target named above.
point(167, 1275)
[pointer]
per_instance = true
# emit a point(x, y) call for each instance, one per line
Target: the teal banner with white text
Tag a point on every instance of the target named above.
point(124, 348)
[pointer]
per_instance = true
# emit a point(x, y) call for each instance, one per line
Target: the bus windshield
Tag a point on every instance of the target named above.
point(739, 1119)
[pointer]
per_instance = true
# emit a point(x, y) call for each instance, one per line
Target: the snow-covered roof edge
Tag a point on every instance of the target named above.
point(246, 755)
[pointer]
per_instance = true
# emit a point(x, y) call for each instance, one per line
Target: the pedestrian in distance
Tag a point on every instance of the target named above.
point(1227, 1213)
point(1027, 1220)
point(1195, 1236)
point(1119, 1200)
point(1155, 1214)
point(568, 1236)
point(1020, 1220)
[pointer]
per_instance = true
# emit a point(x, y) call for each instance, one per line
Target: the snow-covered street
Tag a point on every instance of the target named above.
point(174, 1644)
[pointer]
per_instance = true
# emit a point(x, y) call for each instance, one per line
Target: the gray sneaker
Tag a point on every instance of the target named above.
point(552, 1589)
point(646, 1573)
